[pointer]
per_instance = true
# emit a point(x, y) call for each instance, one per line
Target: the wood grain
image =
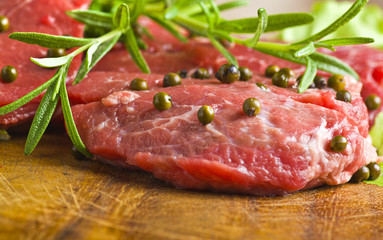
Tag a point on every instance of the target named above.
point(50, 195)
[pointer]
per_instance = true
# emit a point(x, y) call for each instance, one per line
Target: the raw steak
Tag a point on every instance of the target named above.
point(45, 16)
point(283, 149)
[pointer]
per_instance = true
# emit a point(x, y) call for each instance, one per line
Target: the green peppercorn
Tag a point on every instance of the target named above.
point(280, 79)
point(205, 114)
point(288, 72)
point(320, 82)
point(343, 95)
point(251, 107)
point(77, 154)
point(374, 170)
point(172, 79)
point(8, 74)
point(338, 143)
point(336, 82)
point(201, 73)
point(271, 70)
point(245, 74)
point(372, 102)
point(299, 79)
point(183, 73)
point(162, 101)
point(227, 73)
point(139, 84)
point(56, 52)
point(362, 174)
point(4, 24)
point(262, 86)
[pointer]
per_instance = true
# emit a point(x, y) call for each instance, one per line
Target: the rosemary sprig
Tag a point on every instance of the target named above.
point(309, 49)
point(55, 87)
point(261, 27)
point(345, 18)
point(201, 17)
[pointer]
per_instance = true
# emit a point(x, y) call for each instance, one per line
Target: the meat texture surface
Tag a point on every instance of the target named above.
point(368, 63)
point(45, 16)
point(101, 84)
point(284, 149)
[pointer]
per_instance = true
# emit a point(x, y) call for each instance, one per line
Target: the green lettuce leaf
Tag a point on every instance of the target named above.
point(368, 23)
point(376, 134)
point(378, 181)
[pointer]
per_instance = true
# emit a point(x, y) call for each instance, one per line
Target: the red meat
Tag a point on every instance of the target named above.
point(368, 63)
point(45, 16)
point(283, 149)
point(101, 84)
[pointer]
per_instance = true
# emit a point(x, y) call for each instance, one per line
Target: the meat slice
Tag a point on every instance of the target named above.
point(45, 16)
point(283, 149)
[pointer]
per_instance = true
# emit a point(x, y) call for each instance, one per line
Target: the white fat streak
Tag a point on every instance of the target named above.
point(243, 169)
point(122, 97)
point(266, 119)
point(214, 131)
point(315, 146)
point(130, 109)
point(111, 79)
point(157, 81)
point(187, 117)
point(101, 126)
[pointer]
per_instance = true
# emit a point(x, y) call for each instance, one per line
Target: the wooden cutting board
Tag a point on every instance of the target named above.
point(51, 195)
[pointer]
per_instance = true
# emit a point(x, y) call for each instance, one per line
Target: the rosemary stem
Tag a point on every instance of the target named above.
point(81, 49)
point(101, 39)
point(109, 35)
point(272, 46)
point(191, 23)
point(266, 45)
point(154, 7)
